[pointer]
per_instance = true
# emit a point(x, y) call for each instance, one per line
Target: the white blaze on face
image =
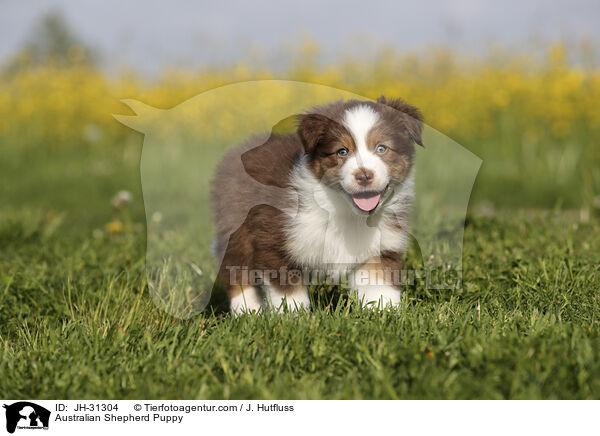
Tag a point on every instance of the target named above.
point(359, 121)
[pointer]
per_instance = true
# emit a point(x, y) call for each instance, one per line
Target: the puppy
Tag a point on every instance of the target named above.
point(334, 196)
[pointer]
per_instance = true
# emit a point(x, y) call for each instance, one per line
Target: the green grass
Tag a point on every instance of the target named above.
point(77, 319)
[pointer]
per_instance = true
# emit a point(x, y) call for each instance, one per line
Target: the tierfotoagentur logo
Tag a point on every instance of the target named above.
point(24, 415)
point(185, 143)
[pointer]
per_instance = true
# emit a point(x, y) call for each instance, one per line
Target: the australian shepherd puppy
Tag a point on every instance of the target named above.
point(334, 195)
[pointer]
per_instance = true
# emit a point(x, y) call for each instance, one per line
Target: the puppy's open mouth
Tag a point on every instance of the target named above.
point(366, 201)
point(369, 200)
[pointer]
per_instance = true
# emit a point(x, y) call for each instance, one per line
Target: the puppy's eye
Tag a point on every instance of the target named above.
point(381, 149)
point(342, 152)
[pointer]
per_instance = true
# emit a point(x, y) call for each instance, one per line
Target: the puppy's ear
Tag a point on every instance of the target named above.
point(412, 117)
point(311, 129)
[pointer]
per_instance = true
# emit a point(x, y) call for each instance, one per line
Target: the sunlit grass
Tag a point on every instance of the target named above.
point(77, 321)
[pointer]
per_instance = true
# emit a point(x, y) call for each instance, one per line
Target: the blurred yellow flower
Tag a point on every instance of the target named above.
point(114, 226)
point(501, 97)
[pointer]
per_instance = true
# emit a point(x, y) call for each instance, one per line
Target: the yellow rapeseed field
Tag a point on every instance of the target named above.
point(520, 116)
point(463, 100)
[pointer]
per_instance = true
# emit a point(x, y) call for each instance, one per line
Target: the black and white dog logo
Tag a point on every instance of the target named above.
point(26, 415)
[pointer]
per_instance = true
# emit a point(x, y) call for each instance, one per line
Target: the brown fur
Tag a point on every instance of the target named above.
point(247, 210)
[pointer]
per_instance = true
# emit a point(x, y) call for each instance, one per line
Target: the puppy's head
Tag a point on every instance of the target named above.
point(362, 149)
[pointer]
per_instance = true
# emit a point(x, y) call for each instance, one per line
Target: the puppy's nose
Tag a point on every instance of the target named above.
point(363, 176)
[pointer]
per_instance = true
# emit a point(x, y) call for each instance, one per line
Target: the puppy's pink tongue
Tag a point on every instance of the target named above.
point(366, 203)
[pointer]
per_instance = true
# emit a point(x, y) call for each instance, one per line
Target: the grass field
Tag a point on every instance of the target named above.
point(77, 320)
point(76, 315)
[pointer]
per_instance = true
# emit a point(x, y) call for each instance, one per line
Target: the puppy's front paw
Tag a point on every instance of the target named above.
point(379, 297)
point(295, 300)
point(246, 301)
